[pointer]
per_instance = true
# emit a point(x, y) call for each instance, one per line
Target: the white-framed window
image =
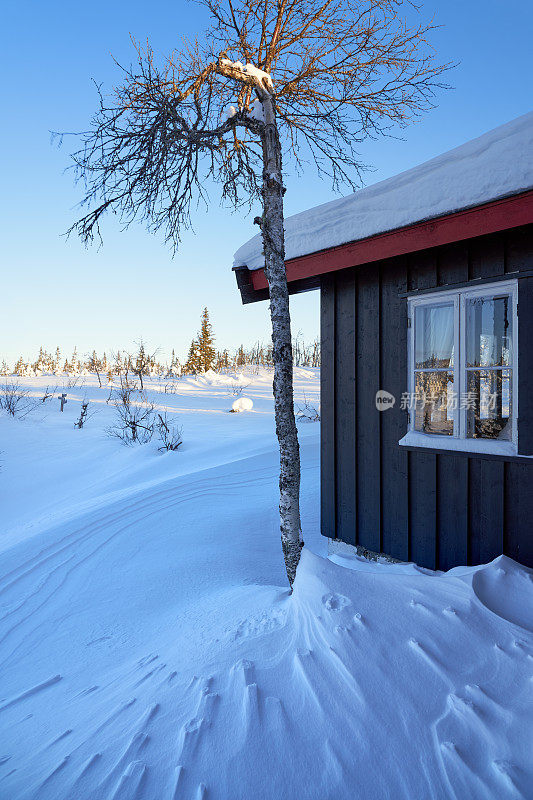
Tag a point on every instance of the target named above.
point(463, 368)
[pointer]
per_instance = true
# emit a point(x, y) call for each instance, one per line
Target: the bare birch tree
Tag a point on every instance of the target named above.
point(269, 77)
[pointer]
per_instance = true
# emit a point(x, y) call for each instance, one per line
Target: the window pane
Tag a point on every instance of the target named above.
point(489, 404)
point(434, 336)
point(488, 331)
point(435, 402)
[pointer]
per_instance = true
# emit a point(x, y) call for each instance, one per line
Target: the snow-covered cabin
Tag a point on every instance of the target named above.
point(426, 283)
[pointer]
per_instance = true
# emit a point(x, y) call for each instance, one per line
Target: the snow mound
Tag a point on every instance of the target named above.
point(506, 589)
point(242, 404)
point(492, 166)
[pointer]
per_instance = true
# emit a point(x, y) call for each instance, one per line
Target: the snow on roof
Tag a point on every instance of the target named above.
point(495, 165)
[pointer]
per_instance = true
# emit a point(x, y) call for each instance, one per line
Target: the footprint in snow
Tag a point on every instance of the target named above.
point(335, 602)
point(243, 672)
point(262, 623)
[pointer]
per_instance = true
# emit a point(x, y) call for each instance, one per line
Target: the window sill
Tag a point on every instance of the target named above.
point(473, 446)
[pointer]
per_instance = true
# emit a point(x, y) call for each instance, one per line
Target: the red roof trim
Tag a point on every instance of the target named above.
point(511, 212)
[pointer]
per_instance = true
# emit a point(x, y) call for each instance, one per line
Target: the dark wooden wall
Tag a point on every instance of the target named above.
point(436, 508)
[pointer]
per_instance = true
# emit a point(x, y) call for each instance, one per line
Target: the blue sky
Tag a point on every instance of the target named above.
point(57, 292)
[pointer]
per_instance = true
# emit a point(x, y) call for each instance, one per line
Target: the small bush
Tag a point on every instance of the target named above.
point(84, 415)
point(307, 412)
point(48, 394)
point(135, 420)
point(15, 400)
point(237, 389)
point(169, 433)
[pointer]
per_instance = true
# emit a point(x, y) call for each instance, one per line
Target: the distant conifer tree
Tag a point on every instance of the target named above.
point(21, 367)
point(57, 361)
point(94, 365)
point(206, 340)
point(75, 366)
point(240, 359)
point(38, 366)
point(175, 366)
point(118, 364)
point(142, 364)
point(192, 365)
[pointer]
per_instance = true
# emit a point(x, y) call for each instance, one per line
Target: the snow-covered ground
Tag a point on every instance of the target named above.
point(149, 648)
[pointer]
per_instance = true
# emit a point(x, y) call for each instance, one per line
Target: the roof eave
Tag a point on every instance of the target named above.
point(304, 272)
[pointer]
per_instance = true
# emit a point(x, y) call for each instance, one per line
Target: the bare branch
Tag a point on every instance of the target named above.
point(340, 72)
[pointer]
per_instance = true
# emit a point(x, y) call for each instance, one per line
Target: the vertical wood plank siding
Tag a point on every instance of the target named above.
point(327, 409)
point(367, 421)
point(394, 471)
point(345, 408)
point(438, 509)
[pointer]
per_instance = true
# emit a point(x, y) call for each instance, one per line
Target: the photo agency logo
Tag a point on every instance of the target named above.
point(384, 400)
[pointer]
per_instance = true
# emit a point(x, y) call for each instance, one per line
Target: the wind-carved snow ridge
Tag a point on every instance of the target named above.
point(493, 166)
point(150, 650)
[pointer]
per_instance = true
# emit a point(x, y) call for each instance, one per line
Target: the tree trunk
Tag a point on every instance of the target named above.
point(274, 247)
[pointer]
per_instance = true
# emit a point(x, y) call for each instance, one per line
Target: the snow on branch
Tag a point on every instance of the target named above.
point(261, 79)
point(329, 75)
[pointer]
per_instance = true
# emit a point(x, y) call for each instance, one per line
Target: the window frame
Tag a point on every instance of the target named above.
point(458, 297)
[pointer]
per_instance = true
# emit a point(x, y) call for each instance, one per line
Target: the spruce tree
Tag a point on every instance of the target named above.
point(143, 363)
point(94, 366)
point(38, 366)
point(206, 340)
point(74, 366)
point(21, 367)
point(57, 361)
point(241, 357)
point(192, 365)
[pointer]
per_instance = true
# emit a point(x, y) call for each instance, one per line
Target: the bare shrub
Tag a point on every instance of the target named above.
point(170, 387)
point(48, 394)
point(135, 418)
point(84, 415)
point(169, 433)
point(307, 412)
point(237, 389)
point(141, 363)
point(15, 400)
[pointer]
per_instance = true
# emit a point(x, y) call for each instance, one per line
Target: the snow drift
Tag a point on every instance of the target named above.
point(149, 649)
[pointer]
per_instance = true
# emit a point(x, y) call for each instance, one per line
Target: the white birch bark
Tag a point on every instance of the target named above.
point(272, 227)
